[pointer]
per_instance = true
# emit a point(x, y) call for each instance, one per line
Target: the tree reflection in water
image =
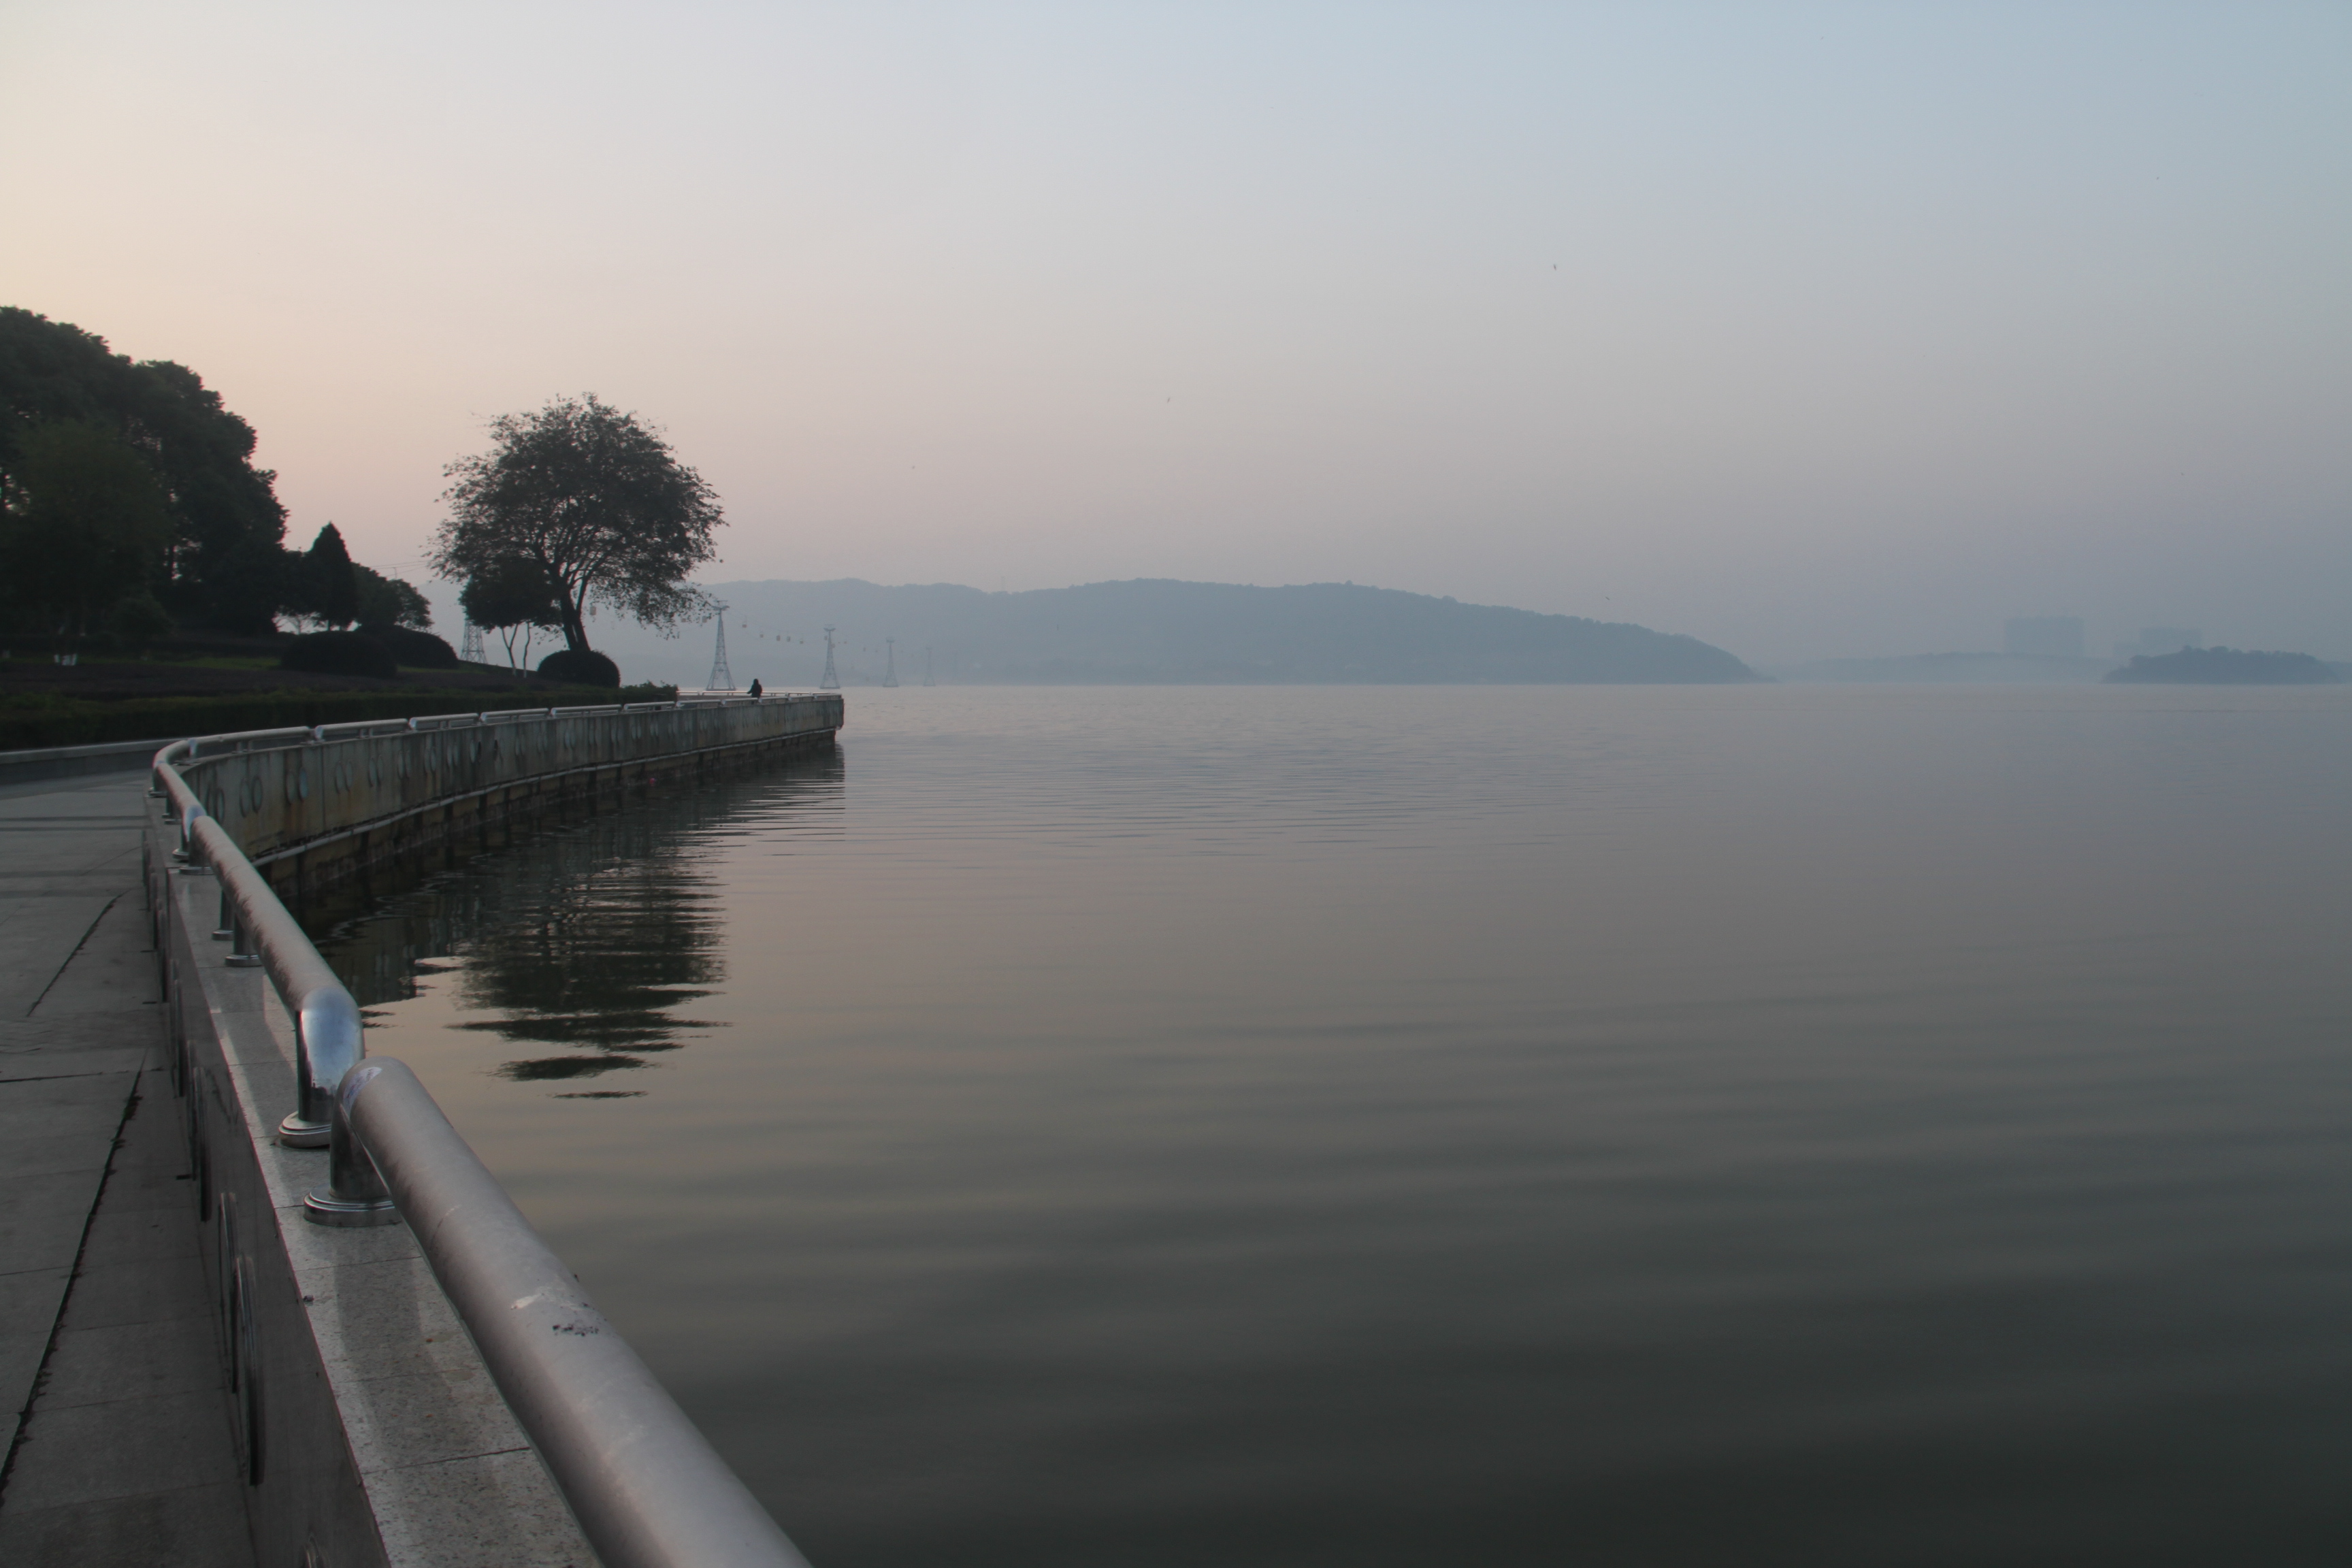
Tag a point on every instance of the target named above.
point(585, 933)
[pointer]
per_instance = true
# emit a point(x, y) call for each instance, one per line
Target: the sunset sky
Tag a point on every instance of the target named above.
point(1809, 330)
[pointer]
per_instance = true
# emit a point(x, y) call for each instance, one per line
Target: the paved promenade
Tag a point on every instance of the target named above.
point(112, 1386)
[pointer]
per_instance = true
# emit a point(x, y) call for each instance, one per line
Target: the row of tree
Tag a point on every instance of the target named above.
point(129, 503)
point(127, 493)
point(326, 586)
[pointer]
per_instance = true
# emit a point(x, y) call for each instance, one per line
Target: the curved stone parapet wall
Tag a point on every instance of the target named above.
point(370, 1430)
point(346, 792)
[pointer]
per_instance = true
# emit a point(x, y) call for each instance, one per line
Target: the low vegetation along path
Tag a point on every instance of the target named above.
point(120, 1448)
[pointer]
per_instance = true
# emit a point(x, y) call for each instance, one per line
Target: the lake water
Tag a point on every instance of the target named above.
point(1388, 1126)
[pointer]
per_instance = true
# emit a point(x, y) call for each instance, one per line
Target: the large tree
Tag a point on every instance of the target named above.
point(596, 499)
point(223, 561)
point(83, 525)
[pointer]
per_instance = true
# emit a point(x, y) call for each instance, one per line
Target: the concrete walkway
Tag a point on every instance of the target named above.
point(111, 1382)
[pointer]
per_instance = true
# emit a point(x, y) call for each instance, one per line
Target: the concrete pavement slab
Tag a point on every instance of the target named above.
point(87, 1453)
point(194, 1527)
point(121, 1448)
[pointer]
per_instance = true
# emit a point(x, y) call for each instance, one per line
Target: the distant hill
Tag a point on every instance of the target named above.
point(1160, 632)
point(2225, 666)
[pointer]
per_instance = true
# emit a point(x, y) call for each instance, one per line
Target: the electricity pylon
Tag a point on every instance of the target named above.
point(890, 674)
point(831, 682)
point(721, 679)
point(469, 643)
point(926, 666)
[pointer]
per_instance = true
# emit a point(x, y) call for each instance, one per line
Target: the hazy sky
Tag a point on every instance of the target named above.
point(1807, 330)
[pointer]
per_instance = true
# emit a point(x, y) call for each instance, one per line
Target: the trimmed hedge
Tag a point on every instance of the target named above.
point(413, 648)
point(579, 667)
point(61, 721)
point(340, 653)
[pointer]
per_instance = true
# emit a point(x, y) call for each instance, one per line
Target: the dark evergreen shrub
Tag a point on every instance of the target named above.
point(139, 621)
point(340, 653)
point(418, 650)
point(575, 667)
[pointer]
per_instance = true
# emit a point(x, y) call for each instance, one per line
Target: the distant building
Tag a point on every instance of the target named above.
point(2043, 637)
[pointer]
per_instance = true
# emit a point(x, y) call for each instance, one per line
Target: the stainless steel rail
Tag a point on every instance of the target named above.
point(647, 1488)
point(327, 1041)
point(368, 788)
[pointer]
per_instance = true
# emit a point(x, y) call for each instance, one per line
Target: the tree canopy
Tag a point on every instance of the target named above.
point(222, 560)
point(512, 597)
point(596, 499)
point(83, 527)
point(331, 588)
point(389, 601)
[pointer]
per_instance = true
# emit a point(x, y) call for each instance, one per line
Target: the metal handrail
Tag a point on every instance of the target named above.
point(645, 1484)
point(293, 736)
point(327, 1038)
point(300, 735)
point(327, 1041)
point(327, 1027)
point(357, 729)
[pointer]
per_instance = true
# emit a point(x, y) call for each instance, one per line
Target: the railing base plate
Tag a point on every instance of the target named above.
point(322, 1207)
point(297, 1133)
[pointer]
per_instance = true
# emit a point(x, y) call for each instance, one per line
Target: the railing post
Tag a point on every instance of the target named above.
point(242, 952)
point(354, 1194)
point(327, 1047)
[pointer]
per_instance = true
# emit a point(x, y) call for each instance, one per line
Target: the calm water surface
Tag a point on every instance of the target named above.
point(1504, 1126)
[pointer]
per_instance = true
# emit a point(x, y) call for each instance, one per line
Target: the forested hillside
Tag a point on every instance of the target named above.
point(1161, 632)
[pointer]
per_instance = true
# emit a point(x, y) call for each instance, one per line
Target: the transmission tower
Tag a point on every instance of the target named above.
point(469, 643)
point(926, 666)
point(890, 673)
point(721, 679)
point(831, 682)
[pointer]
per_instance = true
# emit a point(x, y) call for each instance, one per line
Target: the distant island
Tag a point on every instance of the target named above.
point(2224, 667)
point(1953, 669)
point(1165, 632)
